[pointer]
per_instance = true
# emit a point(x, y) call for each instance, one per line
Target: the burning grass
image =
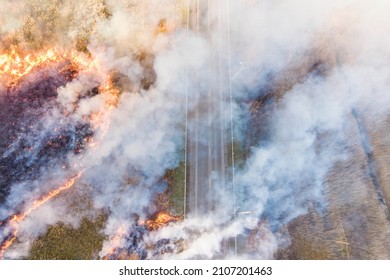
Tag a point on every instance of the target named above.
point(16, 219)
point(62, 241)
point(15, 65)
point(159, 220)
point(28, 95)
point(130, 243)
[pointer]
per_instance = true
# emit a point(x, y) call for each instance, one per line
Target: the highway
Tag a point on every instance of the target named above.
point(209, 134)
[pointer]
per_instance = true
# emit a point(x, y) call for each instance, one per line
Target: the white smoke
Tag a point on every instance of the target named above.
point(274, 45)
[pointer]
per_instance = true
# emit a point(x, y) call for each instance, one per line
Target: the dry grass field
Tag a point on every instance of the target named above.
point(354, 225)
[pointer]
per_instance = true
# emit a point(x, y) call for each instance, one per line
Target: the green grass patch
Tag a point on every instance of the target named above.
point(240, 155)
point(175, 190)
point(63, 242)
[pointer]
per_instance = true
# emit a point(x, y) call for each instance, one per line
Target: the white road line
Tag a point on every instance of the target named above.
point(231, 119)
point(221, 99)
point(210, 103)
point(197, 119)
point(186, 125)
point(239, 71)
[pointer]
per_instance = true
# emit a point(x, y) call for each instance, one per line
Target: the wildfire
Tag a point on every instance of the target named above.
point(15, 220)
point(8, 242)
point(39, 202)
point(161, 219)
point(14, 65)
point(134, 235)
point(115, 242)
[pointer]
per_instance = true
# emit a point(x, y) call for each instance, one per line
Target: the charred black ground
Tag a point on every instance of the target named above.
point(27, 146)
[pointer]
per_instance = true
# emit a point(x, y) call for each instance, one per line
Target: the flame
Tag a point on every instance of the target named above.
point(115, 250)
point(14, 65)
point(18, 218)
point(39, 202)
point(115, 242)
point(161, 219)
point(8, 242)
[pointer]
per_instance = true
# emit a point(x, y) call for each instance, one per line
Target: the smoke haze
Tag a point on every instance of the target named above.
point(297, 68)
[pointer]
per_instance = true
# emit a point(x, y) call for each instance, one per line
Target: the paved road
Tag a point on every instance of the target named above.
point(208, 138)
point(206, 152)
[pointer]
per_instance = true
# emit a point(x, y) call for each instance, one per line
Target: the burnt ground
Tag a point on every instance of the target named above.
point(27, 143)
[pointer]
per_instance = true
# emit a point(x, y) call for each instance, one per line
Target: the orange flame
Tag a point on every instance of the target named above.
point(161, 219)
point(115, 242)
point(17, 219)
point(14, 66)
point(39, 202)
point(8, 242)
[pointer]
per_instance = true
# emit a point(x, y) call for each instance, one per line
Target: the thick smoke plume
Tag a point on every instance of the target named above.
point(295, 70)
